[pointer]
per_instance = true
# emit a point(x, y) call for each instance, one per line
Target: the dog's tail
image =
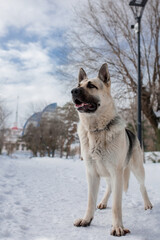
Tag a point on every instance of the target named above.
point(126, 179)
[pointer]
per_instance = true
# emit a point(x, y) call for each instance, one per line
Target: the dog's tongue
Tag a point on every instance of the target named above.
point(81, 105)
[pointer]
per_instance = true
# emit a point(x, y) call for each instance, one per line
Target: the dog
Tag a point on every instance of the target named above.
point(109, 149)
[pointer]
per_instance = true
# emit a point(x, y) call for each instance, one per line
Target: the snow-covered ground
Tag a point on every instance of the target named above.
point(41, 197)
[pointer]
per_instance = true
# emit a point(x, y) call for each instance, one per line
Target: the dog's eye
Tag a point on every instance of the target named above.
point(90, 85)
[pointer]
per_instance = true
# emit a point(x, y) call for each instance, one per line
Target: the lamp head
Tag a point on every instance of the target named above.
point(137, 7)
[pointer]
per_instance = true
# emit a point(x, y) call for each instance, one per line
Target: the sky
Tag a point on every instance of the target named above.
point(32, 48)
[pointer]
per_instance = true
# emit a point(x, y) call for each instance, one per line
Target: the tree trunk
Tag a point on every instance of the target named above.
point(158, 140)
point(147, 109)
point(53, 152)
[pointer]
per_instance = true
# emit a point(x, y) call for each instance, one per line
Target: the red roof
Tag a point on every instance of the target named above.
point(14, 128)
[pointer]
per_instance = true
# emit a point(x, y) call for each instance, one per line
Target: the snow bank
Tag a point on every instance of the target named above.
point(153, 157)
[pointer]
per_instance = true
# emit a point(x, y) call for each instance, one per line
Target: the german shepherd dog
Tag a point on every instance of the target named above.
point(109, 149)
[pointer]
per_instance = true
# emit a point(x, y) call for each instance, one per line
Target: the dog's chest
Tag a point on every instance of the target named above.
point(97, 146)
point(98, 153)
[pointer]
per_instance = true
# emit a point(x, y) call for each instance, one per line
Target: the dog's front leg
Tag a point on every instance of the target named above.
point(93, 186)
point(117, 224)
point(103, 203)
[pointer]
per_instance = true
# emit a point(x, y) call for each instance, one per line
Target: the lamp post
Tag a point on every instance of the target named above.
point(137, 7)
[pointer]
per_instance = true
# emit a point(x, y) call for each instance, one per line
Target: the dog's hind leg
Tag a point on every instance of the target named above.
point(93, 186)
point(138, 170)
point(103, 203)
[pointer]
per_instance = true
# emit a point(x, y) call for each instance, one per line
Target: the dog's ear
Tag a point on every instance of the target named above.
point(82, 75)
point(103, 74)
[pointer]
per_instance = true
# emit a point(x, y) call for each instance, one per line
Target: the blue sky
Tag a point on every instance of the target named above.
point(32, 48)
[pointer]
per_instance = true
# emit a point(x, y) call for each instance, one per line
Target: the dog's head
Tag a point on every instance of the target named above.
point(92, 94)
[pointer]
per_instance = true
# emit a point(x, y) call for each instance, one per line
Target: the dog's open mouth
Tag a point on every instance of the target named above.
point(85, 107)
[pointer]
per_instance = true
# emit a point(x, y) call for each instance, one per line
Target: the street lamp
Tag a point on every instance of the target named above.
point(137, 7)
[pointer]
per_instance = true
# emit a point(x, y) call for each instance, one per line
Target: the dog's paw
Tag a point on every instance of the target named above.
point(102, 206)
point(148, 206)
point(82, 222)
point(119, 231)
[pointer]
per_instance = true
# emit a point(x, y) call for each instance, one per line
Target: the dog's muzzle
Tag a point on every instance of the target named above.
point(83, 101)
point(76, 92)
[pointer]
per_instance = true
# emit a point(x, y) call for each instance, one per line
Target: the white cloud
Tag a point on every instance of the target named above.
point(24, 61)
point(31, 76)
point(24, 14)
point(30, 31)
point(37, 17)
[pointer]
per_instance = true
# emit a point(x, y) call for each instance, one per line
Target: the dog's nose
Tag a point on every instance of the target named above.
point(76, 91)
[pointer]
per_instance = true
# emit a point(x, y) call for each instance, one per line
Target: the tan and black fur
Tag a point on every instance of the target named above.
point(109, 149)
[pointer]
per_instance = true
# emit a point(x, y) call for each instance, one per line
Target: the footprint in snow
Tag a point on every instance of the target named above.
point(8, 192)
point(2, 198)
point(3, 185)
point(26, 210)
point(9, 175)
point(24, 228)
point(17, 203)
point(6, 234)
point(8, 216)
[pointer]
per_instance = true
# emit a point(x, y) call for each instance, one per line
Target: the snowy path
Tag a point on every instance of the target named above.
point(41, 198)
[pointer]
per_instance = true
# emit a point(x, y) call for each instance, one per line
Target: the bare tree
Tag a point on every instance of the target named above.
point(1, 139)
point(102, 34)
point(33, 139)
point(52, 133)
point(56, 133)
point(68, 115)
point(4, 113)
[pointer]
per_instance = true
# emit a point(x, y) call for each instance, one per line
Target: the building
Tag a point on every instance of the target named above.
point(12, 140)
point(13, 136)
point(36, 118)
